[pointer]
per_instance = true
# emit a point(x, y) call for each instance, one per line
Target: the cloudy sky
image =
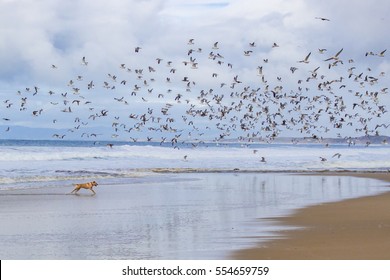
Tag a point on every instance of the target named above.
point(42, 43)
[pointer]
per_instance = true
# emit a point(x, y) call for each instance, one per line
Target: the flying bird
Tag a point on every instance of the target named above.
point(306, 59)
point(322, 18)
point(338, 155)
point(382, 53)
point(335, 57)
point(84, 61)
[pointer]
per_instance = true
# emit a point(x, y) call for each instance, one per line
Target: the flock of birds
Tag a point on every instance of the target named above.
point(205, 95)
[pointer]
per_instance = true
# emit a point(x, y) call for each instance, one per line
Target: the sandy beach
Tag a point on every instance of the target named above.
point(347, 230)
point(200, 216)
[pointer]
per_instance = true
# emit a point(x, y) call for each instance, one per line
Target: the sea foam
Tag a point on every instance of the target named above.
point(46, 163)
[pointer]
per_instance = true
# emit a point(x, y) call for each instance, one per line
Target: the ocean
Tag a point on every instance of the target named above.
point(40, 163)
point(157, 202)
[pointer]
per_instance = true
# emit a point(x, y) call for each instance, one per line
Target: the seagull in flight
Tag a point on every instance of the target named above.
point(335, 57)
point(84, 61)
point(338, 155)
point(323, 19)
point(382, 53)
point(306, 60)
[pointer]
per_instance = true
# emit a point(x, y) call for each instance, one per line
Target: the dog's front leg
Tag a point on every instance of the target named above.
point(75, 190)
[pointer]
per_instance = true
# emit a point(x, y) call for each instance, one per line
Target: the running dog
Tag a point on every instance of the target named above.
point(88, 186)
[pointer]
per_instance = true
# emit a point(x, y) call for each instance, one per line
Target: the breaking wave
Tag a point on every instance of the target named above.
point(45, 163)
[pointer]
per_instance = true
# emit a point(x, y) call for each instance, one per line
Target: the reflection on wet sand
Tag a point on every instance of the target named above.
point(180, 216)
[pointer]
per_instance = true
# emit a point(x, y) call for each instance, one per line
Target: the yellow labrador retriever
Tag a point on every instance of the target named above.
point(88, 186)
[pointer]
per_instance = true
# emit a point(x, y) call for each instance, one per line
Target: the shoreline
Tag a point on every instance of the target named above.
point(352, 229)
point(50, 216)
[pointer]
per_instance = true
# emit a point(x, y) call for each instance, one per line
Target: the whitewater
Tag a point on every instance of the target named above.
point(26, 164)
point(159, 202)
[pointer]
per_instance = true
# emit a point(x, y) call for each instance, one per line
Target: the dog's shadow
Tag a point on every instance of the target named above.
point(82, 195)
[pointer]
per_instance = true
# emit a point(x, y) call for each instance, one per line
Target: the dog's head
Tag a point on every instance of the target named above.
point(94, 183)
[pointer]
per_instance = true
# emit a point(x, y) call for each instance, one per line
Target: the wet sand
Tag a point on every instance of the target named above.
point(352, 229)
point(179, 216)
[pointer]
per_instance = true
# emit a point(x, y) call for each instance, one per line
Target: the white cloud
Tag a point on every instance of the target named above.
point(36, 34)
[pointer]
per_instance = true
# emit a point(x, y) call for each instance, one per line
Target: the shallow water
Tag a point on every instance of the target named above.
point(27, 164)
point(168, 216)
